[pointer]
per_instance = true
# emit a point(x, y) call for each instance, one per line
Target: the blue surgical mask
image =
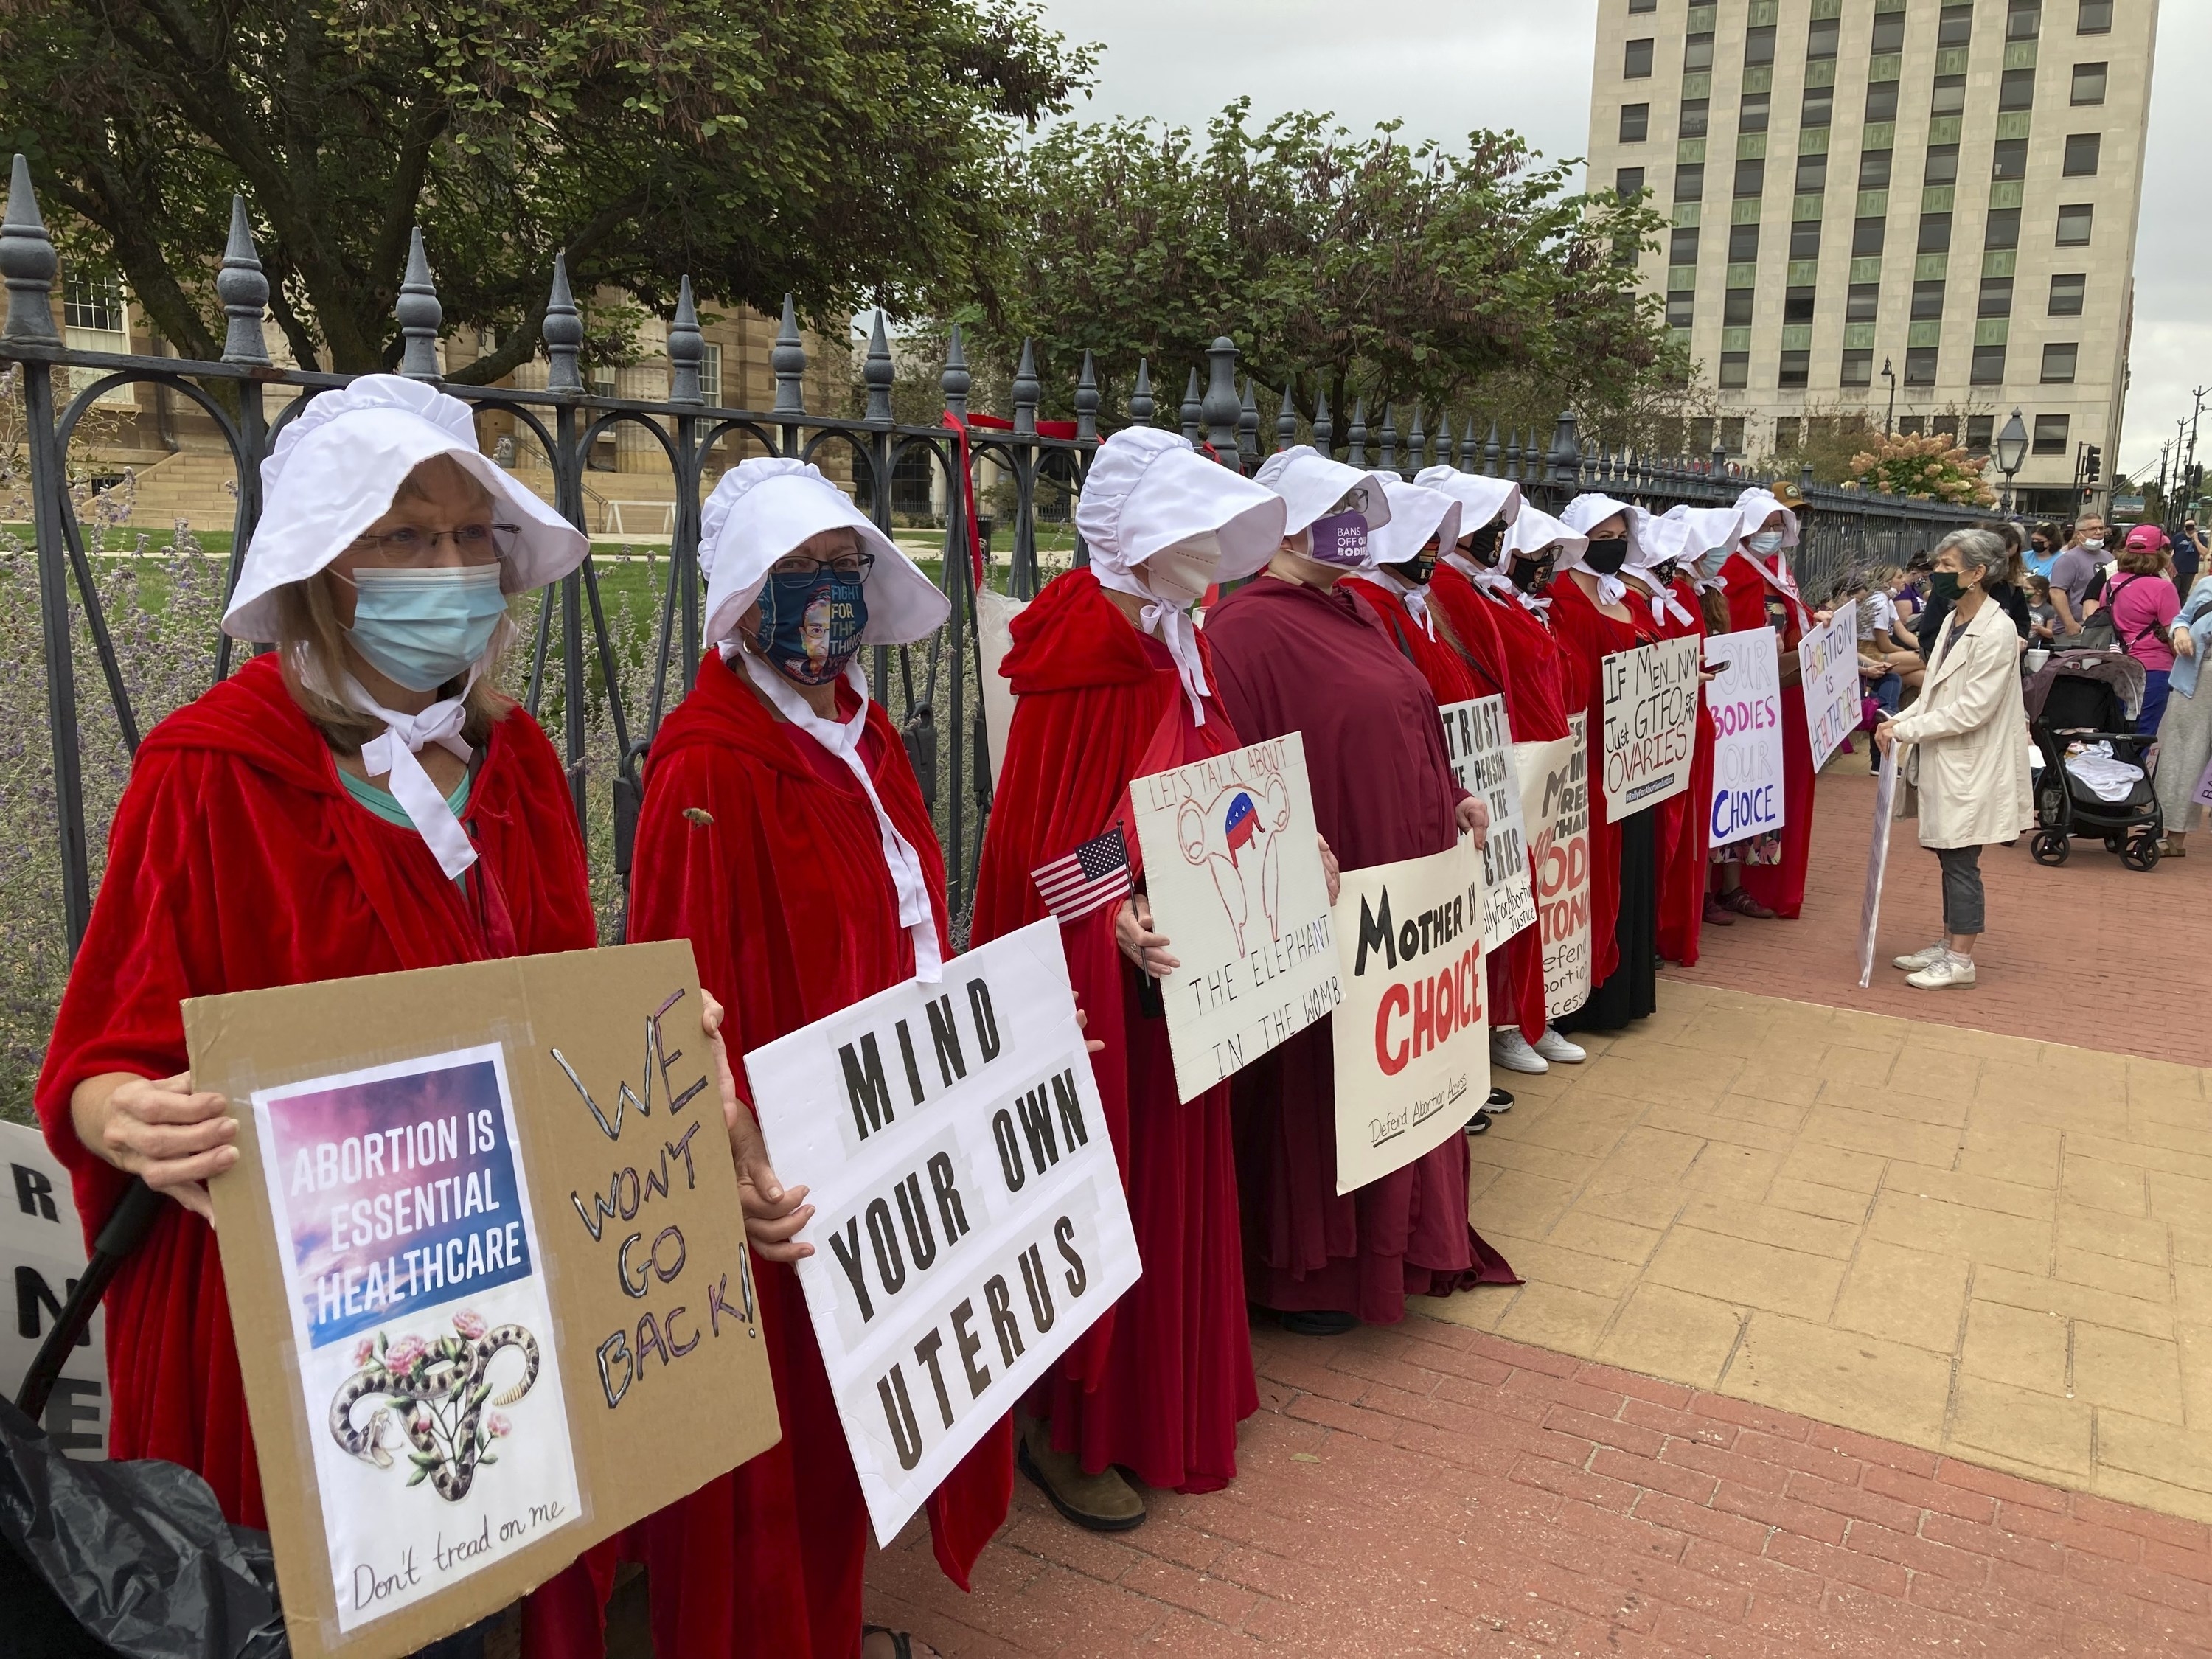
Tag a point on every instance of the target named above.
point(1765, 542)
point(422, 627)
point(810, 625)
point(1710, 561)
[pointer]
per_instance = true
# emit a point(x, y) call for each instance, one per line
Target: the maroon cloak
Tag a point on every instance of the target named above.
point(237, 862)
point(1290, 658)
point(1755, 600)
point(1161, 1385)
point(740, 806)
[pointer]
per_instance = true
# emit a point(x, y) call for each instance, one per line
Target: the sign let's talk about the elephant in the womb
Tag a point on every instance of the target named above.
point(1232, 866)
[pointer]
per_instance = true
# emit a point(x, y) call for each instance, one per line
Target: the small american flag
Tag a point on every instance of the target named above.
point(1094, 875)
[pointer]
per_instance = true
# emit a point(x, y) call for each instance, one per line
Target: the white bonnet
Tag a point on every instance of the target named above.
point(1312, 484)
point(1589, 510)
point(1149, 489)
point(1532, 531)
point(1659, 538)
point(335, 469)
point(1480, 499)
point(1755, 506)
point(1416, 513)
point(764, 508)
point(1705, 528)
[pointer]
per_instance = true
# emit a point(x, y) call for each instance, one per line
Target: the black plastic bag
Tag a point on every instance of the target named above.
point(136, 1554)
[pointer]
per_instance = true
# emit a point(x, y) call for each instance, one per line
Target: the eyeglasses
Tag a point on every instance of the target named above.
point(845, 568)
point(414, 547)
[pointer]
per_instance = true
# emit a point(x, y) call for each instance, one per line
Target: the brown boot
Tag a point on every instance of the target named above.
point(1100, 1503)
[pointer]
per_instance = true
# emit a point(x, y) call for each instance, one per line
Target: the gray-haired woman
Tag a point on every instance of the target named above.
point(1966, 777)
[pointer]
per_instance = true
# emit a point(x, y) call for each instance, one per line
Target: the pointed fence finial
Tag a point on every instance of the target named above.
point(1286, 422)
point(1248, 425)
point(1086, 401)
point(1222, 406)
point(27, 261)
point(419, 314)
point(687, 349)
point(1565, 457)
point(564, 334)
point(1142, 407)
point(1468, 449)
point(879, 371)
point(954, 382)
point(1026, 392)
point(1193, 410)
point(244, 291)
point(1417, 443)
point(1490, 452)
point(1356, 454)
point(1324, 429)
point(788, 360)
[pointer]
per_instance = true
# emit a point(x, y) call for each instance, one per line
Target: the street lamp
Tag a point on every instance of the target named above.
point(2012, 450)
point(1889, 419)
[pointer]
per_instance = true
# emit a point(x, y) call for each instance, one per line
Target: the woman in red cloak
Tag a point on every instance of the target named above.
point(1762, 592)
point(1293, 654)
point(1684, 819)
point(361, 799)
point(784, 835)
point(1112, 685)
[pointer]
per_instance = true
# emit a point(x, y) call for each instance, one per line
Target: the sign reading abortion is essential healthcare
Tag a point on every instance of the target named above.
point(1233, 865)
point(1480, 746)
point(1745, 696)
point(968, 1221)
point(1828, 665)
point(1650, 723)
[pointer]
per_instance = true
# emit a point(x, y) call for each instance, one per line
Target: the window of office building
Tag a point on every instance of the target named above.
point(2016, 89)
point(1635, 6)
point(1735, 306)
point(1867, 238)
point(2095, 18)
point(2051, 434)
point(1954, 25)
point(1697, 52)
point(1950, 97)
point(1858, 366)
point(2089, 84)
point(1682, 246)
point(1750, 177)
point(2066, 292)
point(1811, 173)
point(1732, 434)
point(1860, 301)
point(1795, 370)
point(1820, 39)
point(1636, 61)
point(2009, 160)
point(1979, 429)
point(1692, 124)
point(1689, 181)
point(1920, 366)
point(2058, 362)
point(1881, 100)
point(1988, 367)
point(1758, 44)
point(1888, 33)
point(1997, 297)
point(1805, 238)
point(1743, 244)
point(1628, 183)
point(1934, 233)
point(2082, 150)
point(1735, 370)
point(1789, 434)
point(1927, 301)
point(1818, 109)
point(2075, 221)
point(1751, 115)
point(1942, 165)
point(1635, 122)
point(2023, 20)
point(1945, 426)
point(2002, 229)
point(1680, 308)
point(94, 305)
point(1874, 168)
point(1911, 425)
point(1797, 304)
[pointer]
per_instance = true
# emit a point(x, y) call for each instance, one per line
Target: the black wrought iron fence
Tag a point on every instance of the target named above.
point(606, 703)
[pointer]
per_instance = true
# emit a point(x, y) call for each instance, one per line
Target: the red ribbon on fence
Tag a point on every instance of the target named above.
point(989, 423)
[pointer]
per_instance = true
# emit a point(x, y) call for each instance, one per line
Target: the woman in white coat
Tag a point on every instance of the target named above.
point(1966, 777)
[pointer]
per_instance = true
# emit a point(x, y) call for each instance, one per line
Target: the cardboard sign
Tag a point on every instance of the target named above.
point(1746, 698)
point(42, 1253)
point(1885, 806)
point(1555, 799)
point(1650, 723)
point(1413, 1038)
point(970, 1223)
point(485, 1225)
point(1232, 862)
point(1828, 665)
point(1481, 750)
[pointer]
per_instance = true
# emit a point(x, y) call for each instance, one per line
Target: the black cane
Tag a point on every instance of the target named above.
point(119, 1235)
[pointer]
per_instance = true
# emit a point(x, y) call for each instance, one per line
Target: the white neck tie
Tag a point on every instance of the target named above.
point(1416, 598)
point(843, 740)
point(393, 754)
point(1170, 624)
point(1664, 605)
point(1611, 590)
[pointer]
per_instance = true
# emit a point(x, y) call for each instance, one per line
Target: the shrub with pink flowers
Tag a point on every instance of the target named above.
point(1933, 467)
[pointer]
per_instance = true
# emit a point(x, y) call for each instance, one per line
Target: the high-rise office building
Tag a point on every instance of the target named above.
point(1873, 200)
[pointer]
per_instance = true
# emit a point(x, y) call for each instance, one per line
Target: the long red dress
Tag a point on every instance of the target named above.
point(237, 862)
point(745, 847)
point(1290, 658)
point(1685, 820)
point(1161, 1383)
point(1758, 601)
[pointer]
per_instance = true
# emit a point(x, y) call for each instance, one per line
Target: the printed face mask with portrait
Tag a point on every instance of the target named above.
point(1419, 569)
point(1485, 545)
point(1532, 572)
point(1179, 575)
point(810, 623)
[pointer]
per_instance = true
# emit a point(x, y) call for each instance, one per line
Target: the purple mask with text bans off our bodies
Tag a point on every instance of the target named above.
point(1339, 539)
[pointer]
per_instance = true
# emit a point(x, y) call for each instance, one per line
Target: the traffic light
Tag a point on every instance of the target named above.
point(2092, 464)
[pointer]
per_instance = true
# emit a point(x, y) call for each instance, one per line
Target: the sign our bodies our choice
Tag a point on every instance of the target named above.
point(1650, 723)
point(1480, 746)
point(1744, 696)
point(1828, 666)
point(969, 1220)
point(1555, 803)
point(42, 1255)
point(1232, 866)
point(1412, 1037)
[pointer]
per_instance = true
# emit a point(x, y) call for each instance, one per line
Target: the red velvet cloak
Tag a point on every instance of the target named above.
point(1755, 602)
point(766, 1561)
point(1685, 821)
point(1290, 657)
point(1451, 678)
point(1161, 1383)
point(238, 861)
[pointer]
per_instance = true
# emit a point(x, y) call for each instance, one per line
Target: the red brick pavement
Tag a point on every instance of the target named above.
point(1432, 1489)
point(2083, 954)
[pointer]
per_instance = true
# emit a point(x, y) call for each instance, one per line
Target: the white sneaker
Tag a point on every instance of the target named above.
point(1949, 973)
point(1509, 1048)
point(1557, 1050)
point(1913, 961)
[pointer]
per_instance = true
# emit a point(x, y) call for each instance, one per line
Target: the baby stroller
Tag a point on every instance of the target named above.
point(2080, 708)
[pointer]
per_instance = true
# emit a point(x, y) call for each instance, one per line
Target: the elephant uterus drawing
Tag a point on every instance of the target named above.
point(1234, 836)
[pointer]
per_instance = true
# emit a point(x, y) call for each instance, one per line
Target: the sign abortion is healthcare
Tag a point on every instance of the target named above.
point(970, 1223)
point(1650, 723)
point(1481, 750)
point(1413, 1038)
point(42, 1255)
point(1555, 800)
point(1746, 697)
point(1232, 862)
point(1828, 664)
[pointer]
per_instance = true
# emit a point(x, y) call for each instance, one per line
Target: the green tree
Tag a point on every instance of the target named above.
point(1368, 267)
point(837, 149)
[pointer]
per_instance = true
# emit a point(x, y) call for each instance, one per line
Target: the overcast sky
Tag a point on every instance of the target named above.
point(1451, 65)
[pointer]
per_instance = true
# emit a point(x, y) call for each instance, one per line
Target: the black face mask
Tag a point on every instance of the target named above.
point(1483, 546)
point(1606, 555)
point(1663, 572)
point(1531, 575)
point(1419, 569)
